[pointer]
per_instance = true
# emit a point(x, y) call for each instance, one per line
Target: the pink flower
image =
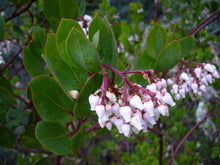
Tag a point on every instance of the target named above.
point(125, 113)
point(126, 129)
point(108, 125)
point(136, 122)
point(163, 109)
point(167, 98)
point(149, 108)
point(136, 102)
point(93, 101)
point(100, 110)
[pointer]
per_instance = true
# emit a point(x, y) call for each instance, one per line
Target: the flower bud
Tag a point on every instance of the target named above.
point(208, 78)
point(194, 87)
point(136, 122)
point(215, 74)
point(175, 88)
point(115, 109)
point(111, 97)
point(202, 88)
point(163, 109)
point(209, 68)
point(167, 98)
point(101, 122)
point(170, 81)
point(149, 119)
point(100, 110)
point(125, 113)
point(152, 87)
point(126, 129)
point(108, 125)
point(93, 100)
point(136, 102)
point(204, 81)
point(182, 92)
point(184, 76)
point(74, 94)
point(118, 124)
point(149, 108)
point(198, 72)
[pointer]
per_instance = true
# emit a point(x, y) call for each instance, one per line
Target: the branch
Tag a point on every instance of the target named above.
point(192, 129)
point(17, 13)
point(205, 22)
point(25, 150)
point(156, 11)
point(160, 138)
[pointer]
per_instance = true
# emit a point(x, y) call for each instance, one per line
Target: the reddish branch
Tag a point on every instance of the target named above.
point(192, 129)
point(205, 22)
point(17, 13)
point(25, 150)
point(156, 11)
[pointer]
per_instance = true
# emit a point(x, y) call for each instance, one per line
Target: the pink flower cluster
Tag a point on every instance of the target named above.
point(132, 110)
point(192, 80)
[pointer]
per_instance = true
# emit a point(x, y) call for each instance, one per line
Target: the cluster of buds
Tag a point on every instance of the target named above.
point(133, 108)
point(133, 38)
point(6, 46)
point(192, 79)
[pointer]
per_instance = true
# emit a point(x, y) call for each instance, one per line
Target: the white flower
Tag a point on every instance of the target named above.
point(136, 121)
point(108, 125)
point(163, 109)
point(140, 10)
point(175, 88)
point(161, 84)
point(208, 78)
point(184, 76)
point(152, 87)
point(170, 81)
point(100, 110)
point(118, 124)
point(145, 126)
point(194, 87)
point(209, 68)
point(202, 88)
point(167, 98)
point(87, 18)
point(149, 108)
point(2, 61)
point(101, 122)
point(182, 92)
point(136, 102)
point(198, 72)
point(115, 109)
point(215, 74)
point(149, 119)
point(112, 119)
point(111, 97)
point(125, 113)
point(126, 129)
point(177, 96)
point(74, 94)
point(93, 100)
point(204, 81)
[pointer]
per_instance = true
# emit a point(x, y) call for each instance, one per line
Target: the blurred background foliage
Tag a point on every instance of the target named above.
point(131, 26)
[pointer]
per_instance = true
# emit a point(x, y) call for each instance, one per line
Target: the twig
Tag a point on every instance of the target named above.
point(25, 150)
point(16, 71)
point(156, 11)
point(160, 138)
point(17, 13)
point(57, 159)
point(94, 127)
point(192, 129)
point(5, 7)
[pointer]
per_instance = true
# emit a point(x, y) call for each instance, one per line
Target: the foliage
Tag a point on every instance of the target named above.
point(63, 51)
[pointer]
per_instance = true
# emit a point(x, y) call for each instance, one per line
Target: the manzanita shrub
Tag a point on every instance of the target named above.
point(84, 84)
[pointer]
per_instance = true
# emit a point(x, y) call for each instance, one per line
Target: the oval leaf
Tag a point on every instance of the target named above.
point(49, 99)
point(168, 57)
point(187, 45)
point(7, 138)
point(6, 99)
point(53, 136)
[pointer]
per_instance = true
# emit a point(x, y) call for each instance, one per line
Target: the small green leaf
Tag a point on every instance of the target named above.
point(144, 61)
point(82, 52)
point(95, 39)
point(37, 49)
point(82, 106)
point(16, 117)
point(39, 34)
point(65, 74)
point(2, 27)
point(156, 41)
point(6, 99)
point(69, 9)
point(18, 30)
point(30, 63)
point(42, 161)
point(187, 45)
point(77, 140)
point(7, 138)
point(168, 57)
point(82, 7)
point(54, 136)
point(50, 100)
point(107, 47)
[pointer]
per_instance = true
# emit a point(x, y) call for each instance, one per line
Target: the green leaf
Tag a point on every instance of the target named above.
point(4, 83)
point(16, 117)
point(187, 45)
point(37, 49)
point(82, 106)
point(2, 27)
point(53, 136)
point(6, 99)
point(54, 22)
point(42, 161)
point(144, 61)
point(39, 34)
point(107, 47)
point(156, 41)
point(82, 7)
point(77, 140)
point(50, 100)
point(95, 39)
point(168, 57)
point(69, 8)
point(30, 63)
point(51, 8)
point(60, 69)
point(63, 30)
point(18, 30)
point(138, 78)
point(7, 138)
point(82, 53)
